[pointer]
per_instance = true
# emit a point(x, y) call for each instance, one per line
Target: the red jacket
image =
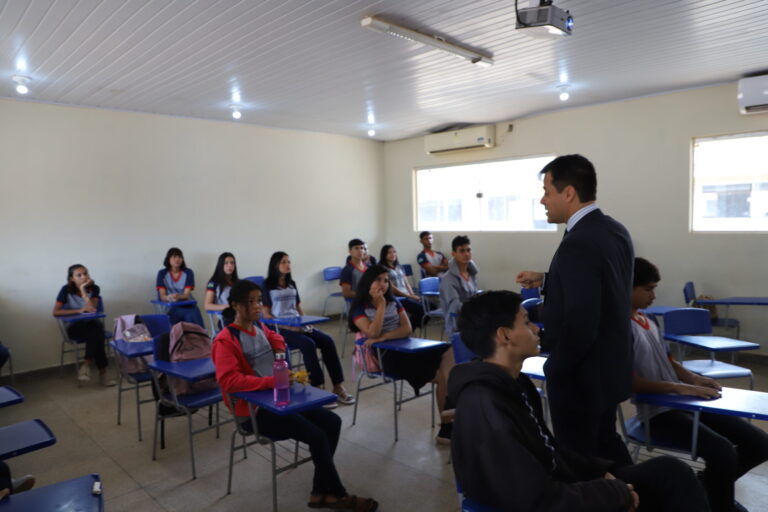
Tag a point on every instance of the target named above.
point(233, 373)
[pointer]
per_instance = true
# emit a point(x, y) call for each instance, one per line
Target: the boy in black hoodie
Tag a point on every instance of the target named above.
point(504, 455)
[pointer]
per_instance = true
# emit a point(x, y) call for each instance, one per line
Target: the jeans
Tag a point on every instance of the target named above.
point(318, 428)
point(308, 343)
point(730, 446)
point(90, 332)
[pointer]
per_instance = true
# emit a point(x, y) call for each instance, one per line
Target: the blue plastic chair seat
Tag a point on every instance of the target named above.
point(198, 400)
point(716, 369)
point(140, 376)
point(636, 432)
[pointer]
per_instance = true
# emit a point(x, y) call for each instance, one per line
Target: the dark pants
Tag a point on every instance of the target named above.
point(90, 332)
point(414, 309)
point(318, 428)
point(4, 355)
point(308, 343)
point(729, 445)
point(185, 314)
point(5, 477)
point(588, 432)
point(665, 484)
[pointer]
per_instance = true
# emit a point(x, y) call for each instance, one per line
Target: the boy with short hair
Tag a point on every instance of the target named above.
point(505, 457)
point(434, 263)
point(355, 267)
point(729, 445)
point(460, 282)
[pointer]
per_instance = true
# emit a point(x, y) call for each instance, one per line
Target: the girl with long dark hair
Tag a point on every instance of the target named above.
point(398, 281)
point(220, 283)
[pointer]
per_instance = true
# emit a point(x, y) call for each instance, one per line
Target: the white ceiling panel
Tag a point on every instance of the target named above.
point(308, 64)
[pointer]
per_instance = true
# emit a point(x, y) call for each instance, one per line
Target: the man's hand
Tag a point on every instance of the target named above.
point(635, 498)
point(530, 279)
point(706, 382)
point(698, 391)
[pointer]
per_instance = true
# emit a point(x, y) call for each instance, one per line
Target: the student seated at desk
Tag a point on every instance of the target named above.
point(505, 457)
point(81, 295)
point(174, 284)
point(730, 446)
point(400, 285)
point(460, 282)
point(377, 316)
point(281, 299)
point(434, 263)
point(357, 264)
point(243, 354)
point(220, 283)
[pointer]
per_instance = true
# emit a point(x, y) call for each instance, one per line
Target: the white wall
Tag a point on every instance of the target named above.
point(641, 150)
point(115, 190)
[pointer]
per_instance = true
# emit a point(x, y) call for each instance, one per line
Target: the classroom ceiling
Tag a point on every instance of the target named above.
point(309, 65)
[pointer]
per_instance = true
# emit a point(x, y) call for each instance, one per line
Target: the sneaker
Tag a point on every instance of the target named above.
point(84, 373)
point(345, 398)
point(22, 484)
point(106, 381)
point(331, 405)
point(444, 435)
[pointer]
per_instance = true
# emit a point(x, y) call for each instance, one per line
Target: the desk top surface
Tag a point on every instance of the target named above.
point(410, 344)
point(81, 316)
point(296, 321)
point(191, 371)
point(712, 343)
point(24, 437)
point(133, 348)
point(72, 494)
point(733, 402)
point(534, 367)
point(9, 396)
point(178, 303)
point(736, 301)
point(303, 398)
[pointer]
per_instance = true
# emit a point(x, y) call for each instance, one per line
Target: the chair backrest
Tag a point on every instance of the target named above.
point(460, 351)
point(422, 272)
point(408, 269)
point(529, 293)
point(689, 293)
point(157, 324)
point(429, 285)
point(100, 306)
point(259, 280)
point(331, 273)
point(687, 321)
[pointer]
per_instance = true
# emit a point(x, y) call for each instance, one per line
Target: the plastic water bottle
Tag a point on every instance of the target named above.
point(280, 372)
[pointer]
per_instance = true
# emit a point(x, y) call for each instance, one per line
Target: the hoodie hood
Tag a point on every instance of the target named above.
point(453, 267)
point(483, 374)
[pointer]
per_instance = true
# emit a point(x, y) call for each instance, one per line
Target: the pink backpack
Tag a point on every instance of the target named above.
point(188, 342)
point(364, 358)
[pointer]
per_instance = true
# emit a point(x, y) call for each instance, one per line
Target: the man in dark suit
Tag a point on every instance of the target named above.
point(587, 297)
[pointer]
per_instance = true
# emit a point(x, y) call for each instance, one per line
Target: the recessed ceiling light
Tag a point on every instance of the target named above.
point(236, 114)
point(21, 83)
point(371, 133)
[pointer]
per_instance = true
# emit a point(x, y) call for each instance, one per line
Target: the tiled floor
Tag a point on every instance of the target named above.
point(410, 475)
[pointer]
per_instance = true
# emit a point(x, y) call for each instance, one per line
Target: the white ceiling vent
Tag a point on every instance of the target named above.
point(476, 137)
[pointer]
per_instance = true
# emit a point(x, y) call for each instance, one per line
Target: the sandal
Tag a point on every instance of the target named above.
point(345, 398)
point(355, 504)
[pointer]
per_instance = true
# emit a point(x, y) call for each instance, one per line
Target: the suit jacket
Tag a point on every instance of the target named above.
point(587, 305)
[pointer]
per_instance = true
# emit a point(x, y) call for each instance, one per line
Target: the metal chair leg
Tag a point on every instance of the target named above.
point(154, 435)
point(191, 445)
point(232, 460)
point(357, 395)
point(119, 398)
point(138, 410)
point(274, 477)
point(394, 402)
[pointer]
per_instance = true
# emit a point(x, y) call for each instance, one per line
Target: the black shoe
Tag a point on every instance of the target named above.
point(444, 435)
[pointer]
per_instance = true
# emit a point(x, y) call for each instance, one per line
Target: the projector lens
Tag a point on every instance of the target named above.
point(569, 23)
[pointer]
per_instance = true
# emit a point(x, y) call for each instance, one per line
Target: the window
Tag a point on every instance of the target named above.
point(488, 196)
point(730, 183)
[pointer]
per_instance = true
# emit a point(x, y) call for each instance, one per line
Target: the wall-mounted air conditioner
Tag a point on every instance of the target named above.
point(753, 95)
point(476, 137)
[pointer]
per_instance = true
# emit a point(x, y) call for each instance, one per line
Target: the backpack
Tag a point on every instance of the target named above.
point(365, 358)
point(131, 326)
point(188, 342)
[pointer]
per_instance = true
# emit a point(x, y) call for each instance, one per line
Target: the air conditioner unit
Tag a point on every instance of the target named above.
point(753, 95)
point(476, 137)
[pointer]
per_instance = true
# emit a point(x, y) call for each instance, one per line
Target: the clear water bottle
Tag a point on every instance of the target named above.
point(280, 372)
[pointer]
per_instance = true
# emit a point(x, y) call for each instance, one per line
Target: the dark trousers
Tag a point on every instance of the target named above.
point(729, 445)
point(185, 314)
point(4, 355)
point(665, 484)
point(5, 477)
point(308, 343)
point(592, 433)
point(90, 332)
point(414, 310)
point(318, 428)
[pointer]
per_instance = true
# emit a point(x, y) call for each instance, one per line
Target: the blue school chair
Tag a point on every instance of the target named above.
point(408, 269)
point(689, 294)
point(258, 439)
point(529, 293)
point(429, 288)
point(76, 346)
point(331, 277)
point(384, 379)
point(638, 435)
point(696, 321)
point(157, 326)
point(461, 354)
point(259, 280)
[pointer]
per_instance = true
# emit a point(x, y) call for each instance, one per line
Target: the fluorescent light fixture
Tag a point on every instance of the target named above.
point(371, 133)
point(437, 42)
point(236, 96)
point(21, 83)
point(371, 118)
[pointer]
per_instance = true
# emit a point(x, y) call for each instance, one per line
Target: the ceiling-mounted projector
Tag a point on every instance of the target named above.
point(546, 19)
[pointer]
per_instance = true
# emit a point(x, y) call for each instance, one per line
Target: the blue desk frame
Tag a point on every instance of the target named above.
point(9, 396)
point(72, 494)
point(130, 350)
point(24, 437)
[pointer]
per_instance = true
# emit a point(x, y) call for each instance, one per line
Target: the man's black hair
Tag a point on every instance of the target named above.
point(482, 315)
point(576, 171)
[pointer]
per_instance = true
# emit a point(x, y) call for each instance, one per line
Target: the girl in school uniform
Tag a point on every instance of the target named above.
point(220, 283)
point(243, 354)
point(398, 281)
point(281, 298)
point(175, 284)
point(81, 295)
point(377, 316)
